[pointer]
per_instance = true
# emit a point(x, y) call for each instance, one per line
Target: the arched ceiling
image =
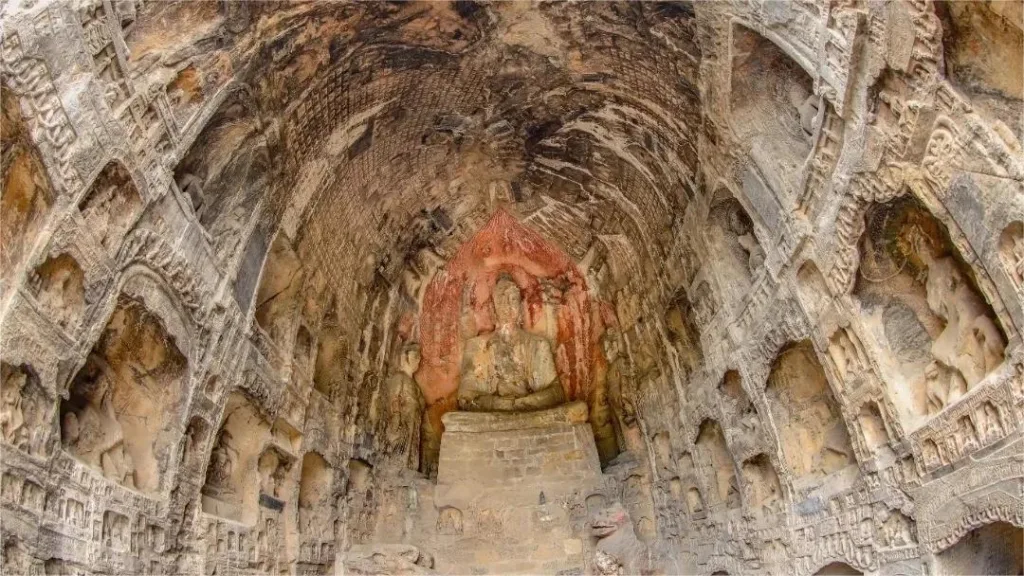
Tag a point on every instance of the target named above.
point(391, 127)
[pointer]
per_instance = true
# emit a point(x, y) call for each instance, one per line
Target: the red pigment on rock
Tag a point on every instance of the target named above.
point(505, 246)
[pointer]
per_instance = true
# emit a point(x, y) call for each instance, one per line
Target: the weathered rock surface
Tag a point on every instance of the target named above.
point(769, 258)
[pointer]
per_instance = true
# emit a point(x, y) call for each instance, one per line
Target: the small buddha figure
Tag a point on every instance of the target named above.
point(510, 369)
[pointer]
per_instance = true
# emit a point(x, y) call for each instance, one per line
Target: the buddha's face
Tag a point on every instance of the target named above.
point(507, 303)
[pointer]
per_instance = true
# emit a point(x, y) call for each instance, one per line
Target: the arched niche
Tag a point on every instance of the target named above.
point(142, 283)
point(315, 510)
point(360, 474)
point(848, 355)
point(695, 503)
point(983, 49)
point(26, 194)
point(811, 430)
point(230, 489)
point(1011, 252)
point(762, 483)
point(838, 569)
point(872, 426)
point(193, 444)
point(773, 108)
point(123, 405)
point(663, 449)
point(937, 336)
point(359, 495)
point(996, 548)
point(60, 290)
point(733, 244)
point(685, 465)
point(273, 466)
point(302, 354)
point(225, 172)
point(458, 305)
point(26, 411)
point(277, 296)
point(329, 369)
point(714, 455)
point(110, 206)
point(738, 402)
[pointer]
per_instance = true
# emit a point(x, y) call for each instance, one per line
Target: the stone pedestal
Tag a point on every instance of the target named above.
point(516, 483)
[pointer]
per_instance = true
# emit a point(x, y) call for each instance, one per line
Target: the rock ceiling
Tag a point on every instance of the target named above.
point(400, 126)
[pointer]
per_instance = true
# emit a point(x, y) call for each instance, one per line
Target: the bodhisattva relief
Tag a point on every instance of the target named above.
point(509, 369)
point(405, 406)
point(23, 409)
point(273, 468)
point(620, 392)
point(223, 459)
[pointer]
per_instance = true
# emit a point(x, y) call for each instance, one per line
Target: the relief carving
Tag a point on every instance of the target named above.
point(1011, 252)
point(25, 409)
point(509, 369)
point(971, 342)
point(405, 407)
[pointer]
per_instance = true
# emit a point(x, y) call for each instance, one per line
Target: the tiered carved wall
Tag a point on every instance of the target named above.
point(884, 238)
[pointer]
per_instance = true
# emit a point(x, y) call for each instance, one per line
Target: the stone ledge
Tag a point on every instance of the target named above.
point(571, 413)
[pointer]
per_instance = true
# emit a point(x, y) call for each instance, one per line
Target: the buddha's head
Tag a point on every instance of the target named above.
point(507, 303)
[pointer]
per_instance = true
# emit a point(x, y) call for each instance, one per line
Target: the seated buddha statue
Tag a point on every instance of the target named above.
point(509, 369)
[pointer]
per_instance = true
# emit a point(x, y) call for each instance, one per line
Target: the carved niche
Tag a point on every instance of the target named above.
point(121, 405)
point(25, 410)
point(110, 205)
point(812, 432)
point(59, 286)
point(920, 301)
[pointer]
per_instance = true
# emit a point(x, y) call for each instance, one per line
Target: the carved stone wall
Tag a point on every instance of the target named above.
point(776, 247)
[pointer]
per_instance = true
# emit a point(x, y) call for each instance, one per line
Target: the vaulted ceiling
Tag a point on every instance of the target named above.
point(377, 130)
